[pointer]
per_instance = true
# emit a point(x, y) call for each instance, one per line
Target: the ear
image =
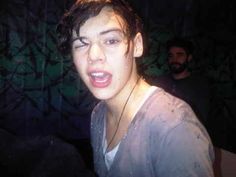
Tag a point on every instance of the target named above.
point(190, 57)
point(138, 45)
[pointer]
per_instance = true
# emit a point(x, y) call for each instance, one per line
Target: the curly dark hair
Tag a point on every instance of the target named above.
point(187, 45)
point(82, 10)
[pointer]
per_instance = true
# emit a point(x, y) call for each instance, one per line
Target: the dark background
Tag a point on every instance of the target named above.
point(41, 93)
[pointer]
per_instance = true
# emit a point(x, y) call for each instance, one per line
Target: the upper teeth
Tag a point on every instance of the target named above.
point(97, 74)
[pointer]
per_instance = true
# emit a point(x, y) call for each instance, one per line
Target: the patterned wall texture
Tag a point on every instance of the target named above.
point(41, 93)
point(40, 90)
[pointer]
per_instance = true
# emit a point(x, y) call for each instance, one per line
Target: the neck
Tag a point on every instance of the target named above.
point(119, 117)
point(181, 75)
point(120, 104)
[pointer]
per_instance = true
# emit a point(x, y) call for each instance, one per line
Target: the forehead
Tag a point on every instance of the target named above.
point(176, 49)
point(107, 19)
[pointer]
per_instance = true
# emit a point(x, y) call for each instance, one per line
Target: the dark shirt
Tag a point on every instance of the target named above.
point(195, 90)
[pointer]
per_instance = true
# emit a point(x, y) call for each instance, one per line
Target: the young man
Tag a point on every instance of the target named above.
point(192, 87)
point(137, 130)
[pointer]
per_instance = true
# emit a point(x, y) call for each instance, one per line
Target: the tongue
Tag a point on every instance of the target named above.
point(101, 81)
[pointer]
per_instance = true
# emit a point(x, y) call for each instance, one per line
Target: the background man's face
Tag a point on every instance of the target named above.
point(178, 59)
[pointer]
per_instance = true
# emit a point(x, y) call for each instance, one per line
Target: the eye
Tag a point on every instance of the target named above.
point(77, 46)
point(180, 54)
point(112, 41)
point(80, 43)
point(170, 55)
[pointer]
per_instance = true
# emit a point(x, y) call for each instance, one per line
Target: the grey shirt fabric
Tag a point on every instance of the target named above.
point(165, 139)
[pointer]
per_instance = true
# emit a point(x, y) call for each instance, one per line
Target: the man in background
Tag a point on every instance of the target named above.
point(192, 87)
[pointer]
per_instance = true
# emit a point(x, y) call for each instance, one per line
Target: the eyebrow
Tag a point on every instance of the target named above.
point(81, 38)
point(112, 30)
point(77, 38)
point(180, 52)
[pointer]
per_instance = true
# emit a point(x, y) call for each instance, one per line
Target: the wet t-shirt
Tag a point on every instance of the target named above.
point(165, 139)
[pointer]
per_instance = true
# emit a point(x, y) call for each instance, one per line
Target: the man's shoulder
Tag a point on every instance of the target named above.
point(197, 75)
point(160, 80)
point(199, 80)
point(167, 106)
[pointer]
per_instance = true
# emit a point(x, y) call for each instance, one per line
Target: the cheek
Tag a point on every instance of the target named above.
point(121, 62)
point(182, 59)
point(80, 65)
point(126, 66)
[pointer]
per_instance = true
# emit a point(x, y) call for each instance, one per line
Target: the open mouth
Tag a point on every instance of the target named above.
point(100, 79)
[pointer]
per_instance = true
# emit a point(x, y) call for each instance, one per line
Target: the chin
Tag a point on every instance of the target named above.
point(101, 95)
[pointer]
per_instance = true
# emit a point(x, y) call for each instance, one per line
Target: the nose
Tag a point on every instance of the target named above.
point(96, 53)
point(172, 58)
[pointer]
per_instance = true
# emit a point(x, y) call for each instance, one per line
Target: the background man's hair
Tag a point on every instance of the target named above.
point(180, 42)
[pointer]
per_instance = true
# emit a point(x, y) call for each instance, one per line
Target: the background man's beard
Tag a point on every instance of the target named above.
point(177, 68)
